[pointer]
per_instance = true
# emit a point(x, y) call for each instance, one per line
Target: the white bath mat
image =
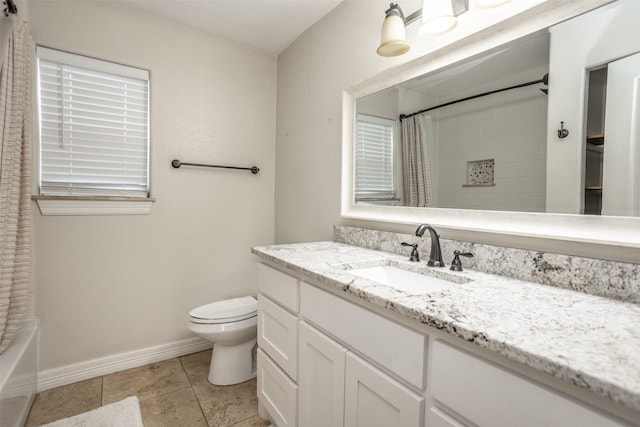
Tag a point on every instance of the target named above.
point(125, 413)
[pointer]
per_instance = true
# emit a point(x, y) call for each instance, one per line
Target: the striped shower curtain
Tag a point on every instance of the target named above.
point(416, 173)
point(15, 175)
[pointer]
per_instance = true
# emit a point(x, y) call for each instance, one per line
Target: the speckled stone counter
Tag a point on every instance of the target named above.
point(589, 341)
point(609, 279)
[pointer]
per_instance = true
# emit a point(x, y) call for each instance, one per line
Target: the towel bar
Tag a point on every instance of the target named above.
point(177, 163)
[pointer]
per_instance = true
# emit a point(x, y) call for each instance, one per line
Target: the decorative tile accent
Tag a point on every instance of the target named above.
point(480, 172)
point(616, 280)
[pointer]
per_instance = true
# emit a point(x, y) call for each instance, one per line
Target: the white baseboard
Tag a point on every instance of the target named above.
point(81, 371)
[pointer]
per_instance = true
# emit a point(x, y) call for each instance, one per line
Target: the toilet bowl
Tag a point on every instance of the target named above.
point(232, 327)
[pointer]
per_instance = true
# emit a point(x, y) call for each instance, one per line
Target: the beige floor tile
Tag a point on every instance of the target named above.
point(177, 409)
point(197, 366)
point(146, 382)
point(166, 398)
point(66, 401)
point(226, 406)
point(253, 422)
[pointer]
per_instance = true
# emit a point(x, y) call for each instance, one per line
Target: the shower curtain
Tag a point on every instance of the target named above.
point(15, 175)
point(416, 174)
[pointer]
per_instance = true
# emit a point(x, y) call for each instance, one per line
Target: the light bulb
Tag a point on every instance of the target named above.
point(437, 17)
point(487, 4)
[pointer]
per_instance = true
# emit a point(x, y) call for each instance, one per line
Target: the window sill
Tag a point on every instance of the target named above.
point(70, 205)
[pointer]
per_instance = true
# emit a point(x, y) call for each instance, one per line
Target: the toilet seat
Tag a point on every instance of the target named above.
point(227, 311)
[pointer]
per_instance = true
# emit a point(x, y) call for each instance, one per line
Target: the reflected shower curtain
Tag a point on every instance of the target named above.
point(15, 175)
point(416, 175)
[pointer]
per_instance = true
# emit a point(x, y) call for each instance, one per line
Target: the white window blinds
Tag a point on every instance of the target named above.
point(374, 176)
point(94, 127)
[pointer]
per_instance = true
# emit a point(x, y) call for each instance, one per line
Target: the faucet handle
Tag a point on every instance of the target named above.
point(415, 256)
point(456, 264)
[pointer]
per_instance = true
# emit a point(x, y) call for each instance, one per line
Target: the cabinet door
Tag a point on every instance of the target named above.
point(373, 399)
point(320, 379)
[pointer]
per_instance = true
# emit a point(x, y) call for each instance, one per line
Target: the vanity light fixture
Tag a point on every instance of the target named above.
point(438, 16)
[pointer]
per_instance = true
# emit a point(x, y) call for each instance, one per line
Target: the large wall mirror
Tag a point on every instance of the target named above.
point(477, 143)
point(484, 148)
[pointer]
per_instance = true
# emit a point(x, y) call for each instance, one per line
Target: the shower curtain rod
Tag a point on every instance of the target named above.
point(544, 80)
point(10, 7)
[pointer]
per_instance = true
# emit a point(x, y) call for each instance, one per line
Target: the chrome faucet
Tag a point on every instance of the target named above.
point(435, 257)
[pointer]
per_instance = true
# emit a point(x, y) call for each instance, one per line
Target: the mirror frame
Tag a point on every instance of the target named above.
point(615, 238)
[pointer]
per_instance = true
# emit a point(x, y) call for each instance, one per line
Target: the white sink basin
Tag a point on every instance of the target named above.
point(403, 280)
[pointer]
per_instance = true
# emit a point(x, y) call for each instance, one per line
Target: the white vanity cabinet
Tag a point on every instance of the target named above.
point(338, 388)
point(400, 350)
point(277, 356)
point(347, 386)
point(325, 361)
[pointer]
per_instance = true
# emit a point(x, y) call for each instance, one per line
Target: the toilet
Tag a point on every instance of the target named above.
point(232, 327)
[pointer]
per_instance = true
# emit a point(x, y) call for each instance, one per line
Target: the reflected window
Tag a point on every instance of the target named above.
point(374, 163)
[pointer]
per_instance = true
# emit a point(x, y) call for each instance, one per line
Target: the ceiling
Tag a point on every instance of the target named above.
point(267, 25)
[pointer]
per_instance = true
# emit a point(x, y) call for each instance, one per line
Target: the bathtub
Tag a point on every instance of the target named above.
point(18, 367)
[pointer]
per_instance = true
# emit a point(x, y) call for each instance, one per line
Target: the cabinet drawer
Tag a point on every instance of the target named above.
point(437, 418)
point(491, 396)
point(399, 349)
point(279, 286)
point(278, 335)
point(276, 392)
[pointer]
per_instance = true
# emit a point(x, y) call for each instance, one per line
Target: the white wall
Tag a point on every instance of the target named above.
point(621, 165)
point(383, 105)
point(112, 284)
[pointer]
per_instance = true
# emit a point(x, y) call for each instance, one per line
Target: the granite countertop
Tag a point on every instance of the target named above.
point(592, 342)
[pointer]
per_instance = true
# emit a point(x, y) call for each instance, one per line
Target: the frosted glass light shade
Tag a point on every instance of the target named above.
point(437, 17)
point(393, 39)
point(486, 4)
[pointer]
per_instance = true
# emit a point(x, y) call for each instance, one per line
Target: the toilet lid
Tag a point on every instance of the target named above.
point(231, 310)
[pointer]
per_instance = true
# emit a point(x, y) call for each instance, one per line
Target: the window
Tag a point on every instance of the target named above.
point(94, 127)
point(374, 174)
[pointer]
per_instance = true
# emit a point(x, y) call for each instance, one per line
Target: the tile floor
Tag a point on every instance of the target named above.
point(172, 393)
